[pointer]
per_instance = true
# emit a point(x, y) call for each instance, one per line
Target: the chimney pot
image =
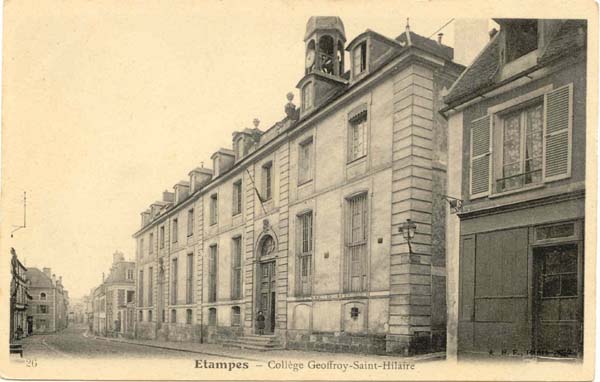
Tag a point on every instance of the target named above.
point(440, 35)
point(256, 122)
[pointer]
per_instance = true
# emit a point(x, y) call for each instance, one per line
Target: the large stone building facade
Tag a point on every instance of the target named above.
point(49, 304)
point(302, 222)
point(113, 300)
point(517, 125)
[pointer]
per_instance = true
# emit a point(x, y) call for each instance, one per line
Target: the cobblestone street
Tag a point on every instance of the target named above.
point(74, 342)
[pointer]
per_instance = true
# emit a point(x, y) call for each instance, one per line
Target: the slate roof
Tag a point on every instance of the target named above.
point(568, 39)
point(482, 72)
point(427, 44)
point(38, 279)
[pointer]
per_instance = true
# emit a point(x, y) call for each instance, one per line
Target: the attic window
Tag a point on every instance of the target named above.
point(521, 38)
point(307, 99)
point(359, 59)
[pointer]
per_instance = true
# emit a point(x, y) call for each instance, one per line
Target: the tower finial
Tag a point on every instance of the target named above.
point(408, 42)
point(256, 122)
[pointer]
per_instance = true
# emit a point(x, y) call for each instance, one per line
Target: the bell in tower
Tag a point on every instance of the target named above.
point(324, 61)
point(324, 39)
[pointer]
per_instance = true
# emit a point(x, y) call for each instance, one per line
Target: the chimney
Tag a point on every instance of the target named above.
point(53, 279)
point(118, 257)
point(440, 35)
point(48, 272)
point(60, 280)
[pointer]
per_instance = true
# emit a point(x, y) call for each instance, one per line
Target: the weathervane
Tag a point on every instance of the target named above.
point(18, 227)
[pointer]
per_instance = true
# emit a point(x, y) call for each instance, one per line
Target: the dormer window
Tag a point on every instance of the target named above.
point(307, 98)
point(521, 38)
point(216, 165)
point(359, 59)
point(239, 149)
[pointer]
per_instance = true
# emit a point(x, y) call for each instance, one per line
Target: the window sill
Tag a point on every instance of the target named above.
point(304, 182)
point(356, 160)
point(517, 191)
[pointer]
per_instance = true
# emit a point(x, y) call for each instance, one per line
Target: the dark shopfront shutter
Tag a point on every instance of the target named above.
point(480, 156)
point(558, 126)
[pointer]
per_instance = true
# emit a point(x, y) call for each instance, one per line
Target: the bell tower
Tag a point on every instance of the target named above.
point(324, 60)
point(324, 40)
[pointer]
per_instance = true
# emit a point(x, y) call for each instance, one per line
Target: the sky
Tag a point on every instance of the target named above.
point(107, 104)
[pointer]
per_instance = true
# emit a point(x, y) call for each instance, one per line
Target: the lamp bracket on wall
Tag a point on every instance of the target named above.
point(455, 203)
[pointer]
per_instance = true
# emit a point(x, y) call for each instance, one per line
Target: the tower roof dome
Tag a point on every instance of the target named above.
point(326, 23)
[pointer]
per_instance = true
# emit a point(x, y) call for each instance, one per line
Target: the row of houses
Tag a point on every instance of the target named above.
point(39, 303)
point(109, 308)
point(408, 204)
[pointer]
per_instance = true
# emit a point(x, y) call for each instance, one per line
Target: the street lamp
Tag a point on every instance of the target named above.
point(408, 230)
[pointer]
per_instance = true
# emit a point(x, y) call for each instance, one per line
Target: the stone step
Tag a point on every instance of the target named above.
point(241, 345)
point(254, 343)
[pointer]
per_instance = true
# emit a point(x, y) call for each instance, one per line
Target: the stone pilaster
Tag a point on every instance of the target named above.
point(249, 262)
point(410, 271)
point(199, 258)
point(283, 155)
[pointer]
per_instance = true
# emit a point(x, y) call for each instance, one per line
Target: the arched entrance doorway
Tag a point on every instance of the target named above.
point(266, 282)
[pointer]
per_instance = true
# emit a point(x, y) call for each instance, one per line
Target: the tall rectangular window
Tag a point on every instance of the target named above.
point(141, 289)
point(174, 282)
point(151, 243)
point(267, 180)
point(359, 59)
point(305, 165)
point(175, 230)
point(357, 136)
point(237, 198)
point(162, 236)
point(189, 279)
point(305, 247)
point(355, 276)
point(214, 209)
point(522, 148)
point(150, 286)
point(212, 274)
point(142, 247)
point(236, 268)
point(190, 222)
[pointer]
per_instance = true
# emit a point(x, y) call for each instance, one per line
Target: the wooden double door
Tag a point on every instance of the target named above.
point(267, 294)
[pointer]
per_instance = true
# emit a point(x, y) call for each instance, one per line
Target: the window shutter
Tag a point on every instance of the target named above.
point(558, 124)
point(480, 156)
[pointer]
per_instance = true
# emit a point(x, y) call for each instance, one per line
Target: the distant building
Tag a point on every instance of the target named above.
point(112, 316)
point(302, 222)
point(48, 308)
point(19, 298)
point(517, 133)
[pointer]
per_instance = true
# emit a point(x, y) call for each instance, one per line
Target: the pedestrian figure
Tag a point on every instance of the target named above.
point(260, 322)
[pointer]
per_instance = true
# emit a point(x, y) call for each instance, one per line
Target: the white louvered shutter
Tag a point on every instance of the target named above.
point(558, 123)
point(480, 156)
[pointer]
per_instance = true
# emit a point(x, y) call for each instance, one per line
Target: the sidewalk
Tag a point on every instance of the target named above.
point(263, 356)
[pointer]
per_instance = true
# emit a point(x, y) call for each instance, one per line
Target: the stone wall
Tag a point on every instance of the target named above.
point(336, 342)
point(145, 330)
